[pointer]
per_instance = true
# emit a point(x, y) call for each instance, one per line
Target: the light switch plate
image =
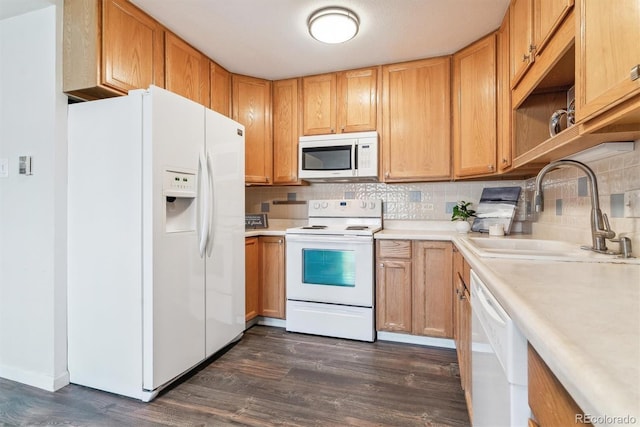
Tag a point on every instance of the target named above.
point(632, 204)
point(4, 168)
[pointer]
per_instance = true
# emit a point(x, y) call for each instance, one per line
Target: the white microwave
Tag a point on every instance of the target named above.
point(339, 157)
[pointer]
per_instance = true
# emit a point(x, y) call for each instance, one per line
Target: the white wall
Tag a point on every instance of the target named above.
point(33, 208)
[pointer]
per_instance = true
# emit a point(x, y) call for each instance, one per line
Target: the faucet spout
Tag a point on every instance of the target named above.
point(600, 230)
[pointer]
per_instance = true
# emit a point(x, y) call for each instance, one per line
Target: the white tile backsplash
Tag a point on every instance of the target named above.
point(615, 175)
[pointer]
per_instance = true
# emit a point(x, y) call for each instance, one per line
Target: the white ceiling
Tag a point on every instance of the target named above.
point(269, 38)
point(9, 8)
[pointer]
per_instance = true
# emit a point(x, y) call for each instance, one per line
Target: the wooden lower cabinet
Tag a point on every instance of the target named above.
point(264, 277)
point(252, 277)
point(414, 287)
point(462, 323)
point(272, 277)
point(549, 401)
point(393, 285)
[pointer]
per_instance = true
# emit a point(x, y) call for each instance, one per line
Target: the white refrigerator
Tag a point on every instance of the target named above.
point(155, 239)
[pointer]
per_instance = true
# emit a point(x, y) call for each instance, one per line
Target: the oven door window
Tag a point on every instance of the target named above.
point(329, 267)
point(327, 158)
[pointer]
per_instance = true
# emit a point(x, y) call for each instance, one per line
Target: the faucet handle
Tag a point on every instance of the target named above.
point(605, 218)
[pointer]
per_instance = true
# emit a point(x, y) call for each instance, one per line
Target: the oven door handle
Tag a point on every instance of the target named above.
point(344, 239)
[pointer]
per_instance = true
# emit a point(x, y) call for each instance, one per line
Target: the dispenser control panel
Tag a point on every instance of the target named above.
point(179, 184)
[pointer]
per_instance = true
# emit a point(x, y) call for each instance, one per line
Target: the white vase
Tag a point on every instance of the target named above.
point(463, 227)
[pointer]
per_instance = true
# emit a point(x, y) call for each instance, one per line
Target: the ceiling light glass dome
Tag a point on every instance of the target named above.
point(333, 25)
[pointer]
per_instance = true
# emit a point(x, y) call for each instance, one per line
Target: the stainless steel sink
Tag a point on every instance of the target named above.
point(525, 248)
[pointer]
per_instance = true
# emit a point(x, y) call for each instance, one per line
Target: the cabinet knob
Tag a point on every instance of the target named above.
point(381, 265)
point(280, 241)
point(504, 161)
point(491, 167)
point(386, 174)
point(532, 47)
point(635, 72)
point(333, 130)
point(525, 58)
point(342, 129)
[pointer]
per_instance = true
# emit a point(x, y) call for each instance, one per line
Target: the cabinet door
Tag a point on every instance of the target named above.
point(432, 289)
point(252, 277)
point(465, 343)
point(416, 112)
point(252, 108)
point(607, 49)
point(220, 96)
point(357, 100)
point(285, 131)
point(393, 295)
point(319, 104)
point(547, 17)
point(474, 109)
point(186, 70)
point(131, 47)
point(521, 17)
point(272, 280)
point(549, 401)
point(503, 94)
point(109, 48)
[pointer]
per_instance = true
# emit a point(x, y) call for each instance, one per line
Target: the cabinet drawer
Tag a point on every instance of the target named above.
point(394, 249)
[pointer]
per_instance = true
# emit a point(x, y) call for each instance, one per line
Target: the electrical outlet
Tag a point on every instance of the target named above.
point(632, 204)
point(429, 207)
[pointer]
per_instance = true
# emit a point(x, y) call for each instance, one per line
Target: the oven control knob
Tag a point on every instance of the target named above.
point(325, 205)
point(316, 205)
point(363, 204)
point(372, 205)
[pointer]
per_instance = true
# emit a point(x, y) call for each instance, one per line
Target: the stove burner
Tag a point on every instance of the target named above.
point(357, 227)
point(314, 227)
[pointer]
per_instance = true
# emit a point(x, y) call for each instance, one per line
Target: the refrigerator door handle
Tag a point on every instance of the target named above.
point(203, 206)
point(210, 201)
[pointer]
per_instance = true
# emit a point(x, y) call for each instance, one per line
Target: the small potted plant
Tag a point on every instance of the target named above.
point(461, 214)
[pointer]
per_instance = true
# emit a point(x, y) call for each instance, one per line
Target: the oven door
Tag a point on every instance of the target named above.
point(330, 269)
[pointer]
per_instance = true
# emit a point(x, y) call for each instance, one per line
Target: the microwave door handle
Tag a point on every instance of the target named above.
point(354, 159)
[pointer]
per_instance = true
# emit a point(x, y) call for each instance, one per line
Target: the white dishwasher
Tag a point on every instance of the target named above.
point(498, 363)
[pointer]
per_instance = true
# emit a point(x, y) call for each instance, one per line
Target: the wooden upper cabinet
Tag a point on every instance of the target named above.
point(474, 109)
point(547, 17)
point(433, 289)
point(357, 100)
point(607, 50)
point(109, 48)
point(340, 102)
point(416, 120)
point(220, 83)
point(186, 70)
point(521, 40)
point(504, 112)
point(252, 107)
point(319, 104)
point(285, 131)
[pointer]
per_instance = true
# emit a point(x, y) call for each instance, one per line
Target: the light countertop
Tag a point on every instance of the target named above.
point(583, 318)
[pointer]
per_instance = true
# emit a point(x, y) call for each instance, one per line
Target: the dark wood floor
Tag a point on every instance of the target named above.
point(272, 377)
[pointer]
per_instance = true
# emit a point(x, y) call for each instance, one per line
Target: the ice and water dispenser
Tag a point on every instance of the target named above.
point(180, 190)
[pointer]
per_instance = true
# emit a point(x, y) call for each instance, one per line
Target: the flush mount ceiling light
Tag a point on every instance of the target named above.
point(333, 25)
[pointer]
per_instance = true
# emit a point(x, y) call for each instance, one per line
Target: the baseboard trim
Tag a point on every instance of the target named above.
point(416, 339)
point(35, 379)
point(271, 321)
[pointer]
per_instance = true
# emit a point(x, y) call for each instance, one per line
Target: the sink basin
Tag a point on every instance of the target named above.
point(524, 248)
